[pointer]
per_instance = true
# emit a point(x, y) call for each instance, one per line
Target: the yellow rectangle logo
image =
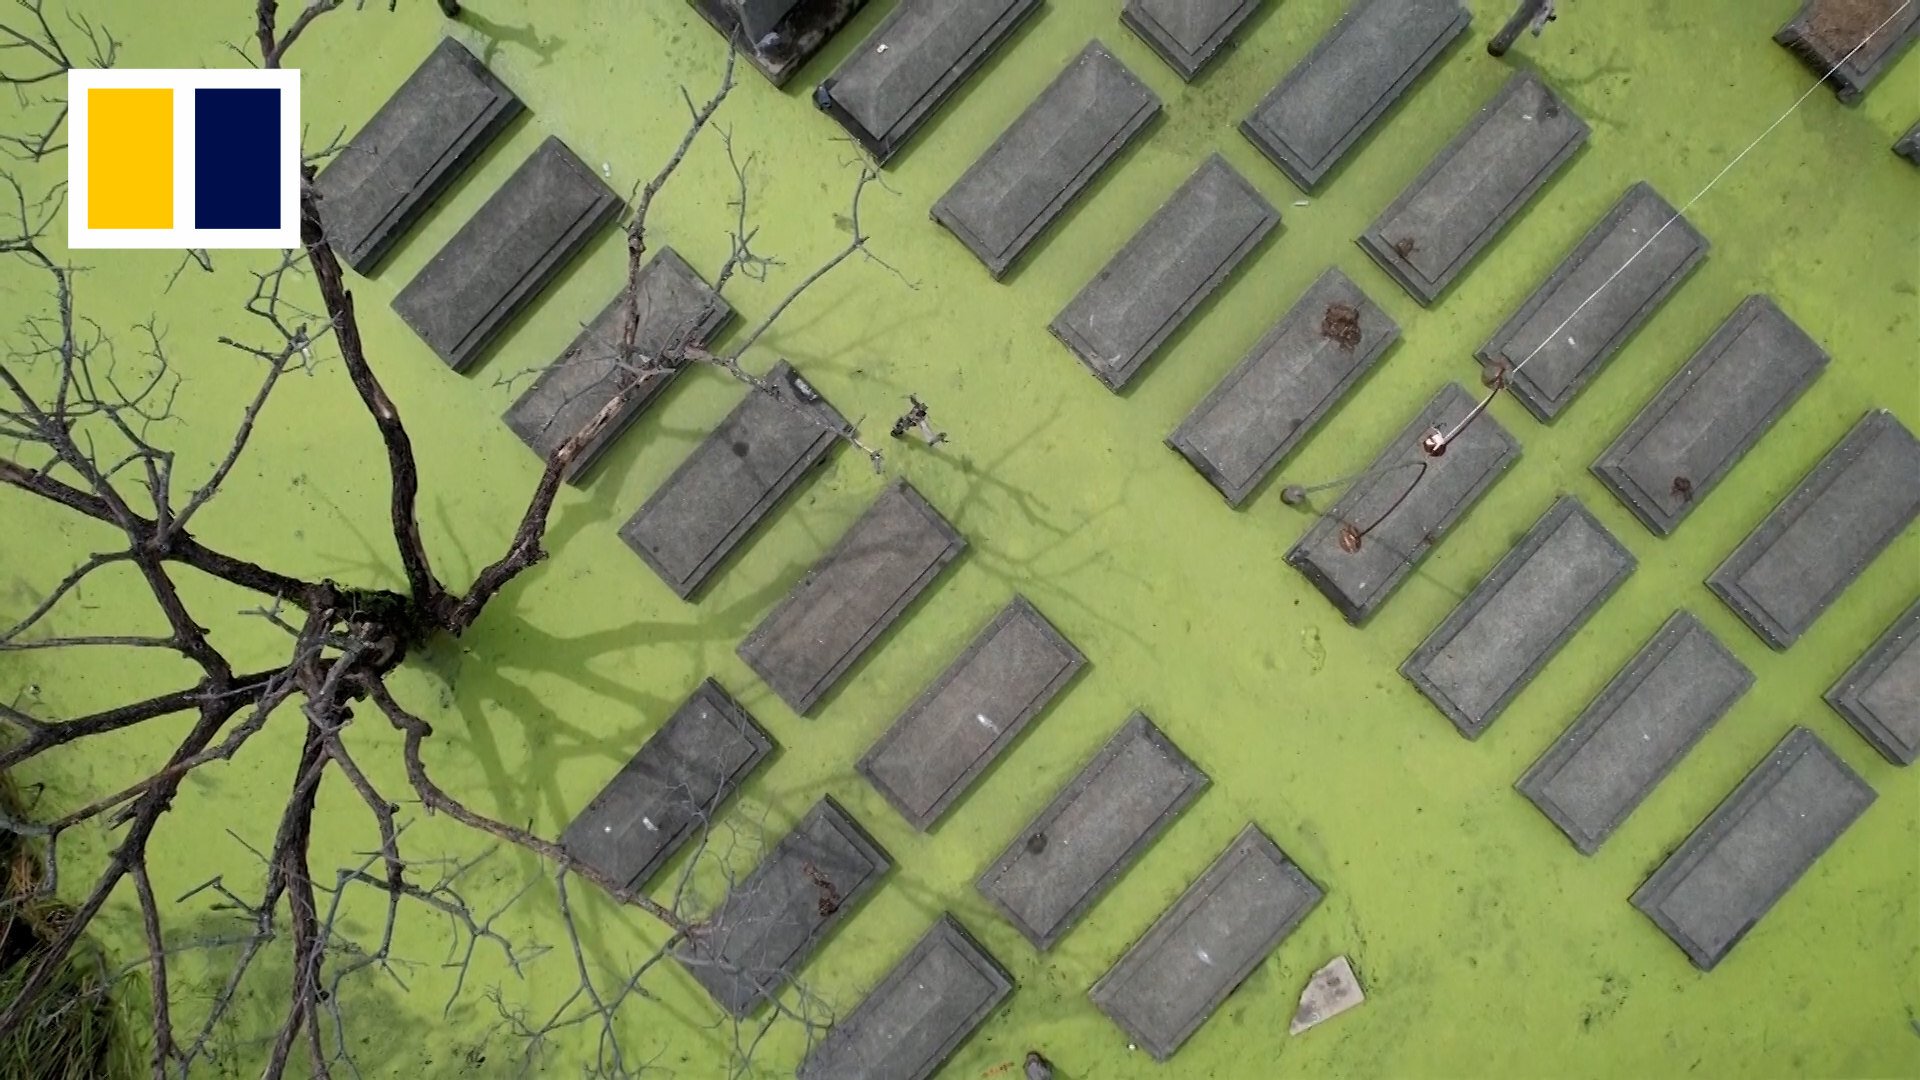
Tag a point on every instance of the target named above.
point(129, 158)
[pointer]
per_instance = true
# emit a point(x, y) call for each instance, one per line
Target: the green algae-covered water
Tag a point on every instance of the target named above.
point(1487, 945)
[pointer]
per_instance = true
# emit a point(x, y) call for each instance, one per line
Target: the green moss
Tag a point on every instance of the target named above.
point(1487, 945)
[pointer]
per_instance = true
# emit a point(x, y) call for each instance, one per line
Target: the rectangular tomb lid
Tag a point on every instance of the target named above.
point(1710, 414)
point(971, 713)
point(1533, 602)
point(676, 310)
point(1283, 387)
point(1849, 509)
point(911, 63)
point(1622, 271)
point(1177, 259)
point(506, 253)
point(850, 597)
point(1740, 861)
point(933, 999)
point(1478, 183)
point(1065, 859)
point(1851, 43)
point(733, 480)
point(419, 141)
point(1880, 694)
point(778, 36)
point(1632, 735)
point(1331, 99)
point(1046, 158)
point(1203, 947)
point(1187, 33)
point(1403, 506)
point(771, 922)
point(670, 789)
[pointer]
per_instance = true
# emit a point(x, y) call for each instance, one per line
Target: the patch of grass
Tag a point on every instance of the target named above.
point(75, 1032)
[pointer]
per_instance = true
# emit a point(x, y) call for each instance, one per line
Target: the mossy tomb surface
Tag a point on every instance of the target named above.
point(1487, 945)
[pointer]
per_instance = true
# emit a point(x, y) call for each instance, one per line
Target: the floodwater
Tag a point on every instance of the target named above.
point(1486, 944)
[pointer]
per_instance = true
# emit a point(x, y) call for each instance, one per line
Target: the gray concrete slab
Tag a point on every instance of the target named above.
point(1843, 514)
point(1640, 251)
point(1880, 694)
point(1187, 33)
point(911, 63)
point(1111, 812)
point(778, 37)
point(1909, 144)
point(421, 139)
point(1046, 158)
point(1203, 947)
point(670, 789)
point(1632, 735)
point(676, 309)
point(971, 713)
point(1478, 183)
point(516, 243)
point(733, 480)
point(1281, 389)
point(1402, 506)
point(933, 999)
point(1745, 856)
point(1533, 601)
point(1851, 43)
point(1177, 259)
point(775, 917)
point(1706, 418)
point(850, 597)
point(1333, 97)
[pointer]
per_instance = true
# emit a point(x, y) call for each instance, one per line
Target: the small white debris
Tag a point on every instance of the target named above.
point(986, 723)
point(1333, 990)
point(1202, 954)
point(1569, 339)
point(882, 48)
point(606, 169)
point(1130, 1046)
point(606, 828)
point(648, 822)
point(1299, 202)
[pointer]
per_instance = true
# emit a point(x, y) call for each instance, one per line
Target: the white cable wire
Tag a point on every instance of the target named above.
point(1678, 214)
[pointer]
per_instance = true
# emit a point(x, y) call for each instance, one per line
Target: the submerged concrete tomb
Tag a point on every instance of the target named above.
point(506, 253)
point(670, 789)
point(1187, 33)
point(1478, 183)
point(1713, 410)
point(1203, 947)
point(1908, 145)
point(1331, 99)
point(778, 37)
point(933, 999)
point(1046, 158)
point(1849, 509)
point(676, 310)
point(733, 480)
point(1292, 378)
point(1066, 858)
point(911, 63)
point(1177, 259)
point(448, 111)
point(1640, 251)
point(1740, 861)
point(1880, 694)
point(1851, 43)
point(850, 597)
point(1359, 551)
point(1535, 599)
point(775, 917)
point(971, 713)
point(1632, 735)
